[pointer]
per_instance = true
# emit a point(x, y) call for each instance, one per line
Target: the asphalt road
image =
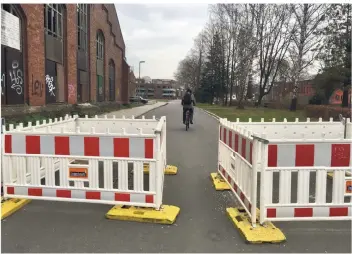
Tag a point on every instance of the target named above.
point(202, 225)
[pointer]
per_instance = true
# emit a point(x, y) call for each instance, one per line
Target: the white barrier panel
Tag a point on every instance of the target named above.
point(295, 130)
point(236, 166)
point(309, 161)
point(66, 164)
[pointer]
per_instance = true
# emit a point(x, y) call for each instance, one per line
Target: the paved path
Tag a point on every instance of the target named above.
point(136, 111)
point(202, 225)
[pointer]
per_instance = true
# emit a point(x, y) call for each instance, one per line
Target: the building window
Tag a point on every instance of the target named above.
point(100, 46)
point(112, 80)
point(82, 24)
point(53, 21)
point(100, 66)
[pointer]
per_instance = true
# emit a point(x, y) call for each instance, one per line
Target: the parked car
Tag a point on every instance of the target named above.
point(138, 99)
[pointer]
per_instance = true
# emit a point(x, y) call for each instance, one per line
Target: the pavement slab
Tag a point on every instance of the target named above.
point(202, 225)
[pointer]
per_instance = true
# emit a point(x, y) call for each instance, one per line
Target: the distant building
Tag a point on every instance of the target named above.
point(131, 83)
point(158, 89)
point(281, 90)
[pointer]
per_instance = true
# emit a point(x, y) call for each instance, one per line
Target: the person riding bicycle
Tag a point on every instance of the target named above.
point(188, 101)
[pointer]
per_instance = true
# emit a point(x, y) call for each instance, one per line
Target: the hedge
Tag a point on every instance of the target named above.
point(327, 111)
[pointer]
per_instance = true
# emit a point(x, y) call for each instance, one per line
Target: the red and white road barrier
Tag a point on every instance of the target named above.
point(86, 160)
point(297, 158)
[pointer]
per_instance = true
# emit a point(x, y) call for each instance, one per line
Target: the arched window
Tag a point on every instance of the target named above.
point(111, 80)
point(54, 17)
point(100, 66)
point(12, 52)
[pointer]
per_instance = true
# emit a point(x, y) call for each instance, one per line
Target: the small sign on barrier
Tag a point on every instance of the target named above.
point(78, 173)
point(348, 186)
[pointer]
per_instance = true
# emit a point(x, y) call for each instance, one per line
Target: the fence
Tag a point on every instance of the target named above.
point(292, 161)
point(95, 160)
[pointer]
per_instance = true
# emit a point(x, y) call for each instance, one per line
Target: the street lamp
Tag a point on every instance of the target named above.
point(139, 76)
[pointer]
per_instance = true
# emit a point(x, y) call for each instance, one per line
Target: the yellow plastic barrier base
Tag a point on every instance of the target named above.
point(331, 175)
point(219, 182)
point(260, 234)
point(169, 170)
point(166, 215)
point(11, 205)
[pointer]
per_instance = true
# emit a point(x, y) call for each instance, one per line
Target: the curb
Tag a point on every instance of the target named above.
point(210, 114)
point(152, 109)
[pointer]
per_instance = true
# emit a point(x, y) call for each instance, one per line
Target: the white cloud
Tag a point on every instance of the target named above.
point(161, 35)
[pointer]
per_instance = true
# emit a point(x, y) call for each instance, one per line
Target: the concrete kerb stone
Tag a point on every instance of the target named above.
point(209, 113)
point(162, 105)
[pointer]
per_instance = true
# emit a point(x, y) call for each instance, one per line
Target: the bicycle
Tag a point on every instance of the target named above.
point(187, 119)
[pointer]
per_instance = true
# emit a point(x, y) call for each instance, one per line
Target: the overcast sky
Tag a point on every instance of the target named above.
point(159, 34)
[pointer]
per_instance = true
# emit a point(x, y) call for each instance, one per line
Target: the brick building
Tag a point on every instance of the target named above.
point(158, 88)
point(62, 53)
point(281, 90)
point(131, 83)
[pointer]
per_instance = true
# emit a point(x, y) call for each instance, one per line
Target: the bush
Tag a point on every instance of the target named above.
point(327, 111)
point(316, 100)
point(56, 111)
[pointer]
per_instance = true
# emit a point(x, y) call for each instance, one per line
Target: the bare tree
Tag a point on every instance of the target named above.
point(274, 33)
point(308, 18)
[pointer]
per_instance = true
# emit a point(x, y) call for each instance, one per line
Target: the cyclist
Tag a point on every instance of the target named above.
point(188, 101)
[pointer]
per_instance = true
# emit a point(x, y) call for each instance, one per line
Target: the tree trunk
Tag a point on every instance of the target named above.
point(347, 81)
point(260, 96)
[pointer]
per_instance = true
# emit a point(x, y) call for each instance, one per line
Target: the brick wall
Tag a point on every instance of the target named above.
point(99, 16)
point(131, 84)
point(35, 53)
point(71, 54)
point(103, 17)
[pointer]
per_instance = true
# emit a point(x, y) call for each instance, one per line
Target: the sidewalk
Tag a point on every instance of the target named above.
point(137, 111)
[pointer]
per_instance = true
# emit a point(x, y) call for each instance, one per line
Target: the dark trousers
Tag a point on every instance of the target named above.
point(184, 114)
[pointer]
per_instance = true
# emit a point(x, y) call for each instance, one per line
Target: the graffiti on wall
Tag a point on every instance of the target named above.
point(49, 81)
point(16, 77)
point(3, 84)
point(12, 76)
point(71, 91)
point(37, 88)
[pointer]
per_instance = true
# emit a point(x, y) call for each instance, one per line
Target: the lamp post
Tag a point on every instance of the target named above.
point(139, 76)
